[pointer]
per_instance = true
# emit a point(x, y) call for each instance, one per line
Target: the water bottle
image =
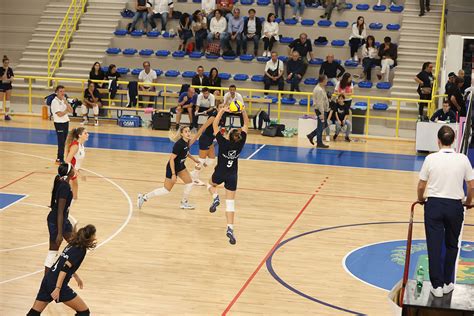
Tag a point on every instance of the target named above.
point(420, 276)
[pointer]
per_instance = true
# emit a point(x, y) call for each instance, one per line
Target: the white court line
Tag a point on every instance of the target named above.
point(255, 152)
point(124, 224)
point(24, 197)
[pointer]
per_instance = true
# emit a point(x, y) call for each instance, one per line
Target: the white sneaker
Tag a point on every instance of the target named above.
point(379, 3)
point(356, 58)
point(85, 122)
point(96, 123)
point(186, 206)
point(448, 288)
point(140, 200)
point(154, 30)
point(300, 19)
point(328, 138)
point(438, 292)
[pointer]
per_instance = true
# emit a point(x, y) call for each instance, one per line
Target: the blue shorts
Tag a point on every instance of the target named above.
point(44, 294)
point(177, 168)
point(229, 180)
point(4, 87)
point(205, 142)
point(53, 229)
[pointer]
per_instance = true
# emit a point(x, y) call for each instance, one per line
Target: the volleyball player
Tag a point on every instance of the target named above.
point(6, 77)
point(175, 168)
point(227, 168)
point(59, 225)
point(54, 285)
point(206, 137)
point(75, 155)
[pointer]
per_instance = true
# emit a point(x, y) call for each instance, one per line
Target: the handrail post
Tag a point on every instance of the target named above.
point(30, 103)
point(308, 106)
point(398, 120)
point(250, 103)
point(279, 107)
point(367, 117)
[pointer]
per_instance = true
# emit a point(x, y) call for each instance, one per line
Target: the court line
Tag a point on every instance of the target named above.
point(275, 245)
point(256, 151)
point(124, 224)
point(22, 198)
point(15, 181)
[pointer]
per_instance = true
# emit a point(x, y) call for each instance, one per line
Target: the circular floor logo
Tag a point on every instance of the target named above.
point(381, 264)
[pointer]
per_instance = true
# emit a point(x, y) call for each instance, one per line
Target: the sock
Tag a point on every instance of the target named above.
point(157, 192)
point(7, 105)
point(210, 162)
point(231, 226)
point(215, 195)
point(51, 258)
point(187, 190)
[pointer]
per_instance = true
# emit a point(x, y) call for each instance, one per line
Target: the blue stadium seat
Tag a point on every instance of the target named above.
point(308, 22)
point(123, 70)
point(162, 53)
point(257, 78)
point(136, 33)
point(188, 74)
point(283, 58)
point(316, 61)
point(320, 43)
point(146, 52)
point(121, 32)
point(229, 57)
point(351, 64)
point(128, 15)
point(172, 73)
point(362, 7)
point(246, 2)
point(342, 24)
point(225, 75)
point(136, 71)
point(196, 1)
point(365, 84)
point(129, 51)
point(384, 85)
point(304, 102)
point(278, 20)
point(271, 99)
point(195, 55)
point(241, 77)
point(179, 54)
point(379, 8)
point(396, 8)
point(104, 68)
point(153, 34)
point(377, 44)
point(288, 101)
point(159, 72)
point(263, 2)
point(380, 107)
point(359, 106)
point(338, 43)
point(375, 26)
point(393, 27)
point(210, 56)
point(263, 59)
point(168, 35)
point(330, 84)
point(246, 57)
point(286, 40)
point(113, 50)
point(311, 81)
point(349, 6)
point(290, 21)
point(324, 23)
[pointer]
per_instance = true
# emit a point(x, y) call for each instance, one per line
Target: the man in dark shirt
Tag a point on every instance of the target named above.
point(252, 32)
point(200, 79)
point(186, 102)
point(388, 53)
point(450, 83)
point(304, 47)
point(456, 99)
point(295, 70)
point(330, 68)
point(142, 12)
point(444, 114)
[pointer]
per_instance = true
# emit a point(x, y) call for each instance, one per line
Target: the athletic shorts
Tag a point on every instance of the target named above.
point(44, 293)
point(177, 168)
point(205, 142)
point(53, 229)
point(5, 86)
point(229, 180)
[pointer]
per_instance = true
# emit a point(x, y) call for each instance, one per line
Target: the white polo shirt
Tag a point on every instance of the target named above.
point(228, 98)
point(147, 77)
point(207, 103)
point(445, 172)
point(58, 105)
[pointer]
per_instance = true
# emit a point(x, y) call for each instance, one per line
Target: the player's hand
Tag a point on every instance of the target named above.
point(80, 284)
point(226, 109)
point(55, 294)
point(422, 202)
point(59, 239)
point(173, 178)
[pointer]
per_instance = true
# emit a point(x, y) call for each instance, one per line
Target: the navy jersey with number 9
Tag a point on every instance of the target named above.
point(229, 153)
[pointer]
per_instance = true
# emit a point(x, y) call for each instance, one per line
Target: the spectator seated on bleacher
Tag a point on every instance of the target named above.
point(298, 7)
point(200, 79)
point(345, 87)
point(235, 28)
point(295, 71)
point(186, 103)
point(329, 6)
point(388, 53)
point(330, 68)
point(252, 32)
point(304, 48)
point(112, 73)
point(91, 101)
point(184, 31)
point(341, 117)
point(270, 34)
point(162, 9)
point(205, 103)
point(147, 76)
point(214, 80)
point(357, 37)
point(218, 29)
point(445, 114)
point(199, 28)
point(279, 4)
point(96, 73)
point(226, 7)
point(274, 70)
point(369, 57)
point(141, 13)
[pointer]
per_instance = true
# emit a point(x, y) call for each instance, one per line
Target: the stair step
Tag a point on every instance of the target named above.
point(83, 55)
point(102, 19)
point(62, 73)
point(417, 34)
point(31, 73)
point(78, 44)
point(417, 28)
point(81, 50)
point(40, 59)
point(405, 47)
point(83, 31)
point(34, 53)
point(421, 21)
point(424, 18)
point(406, 39)
point(433, 12)
point(420, 54)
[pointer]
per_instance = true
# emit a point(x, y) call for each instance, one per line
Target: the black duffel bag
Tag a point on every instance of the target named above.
point(274, 130)
point(161, 121)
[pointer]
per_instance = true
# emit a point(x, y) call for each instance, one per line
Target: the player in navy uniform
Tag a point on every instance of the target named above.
point(59, 225)
point(206, 137)
point(227, 168)
point(55, 283)
point(175, 167)
point(6, 77)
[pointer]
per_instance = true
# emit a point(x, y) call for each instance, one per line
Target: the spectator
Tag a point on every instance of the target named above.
point(392, 2)
point(200, 79)
point(96, 73)
point(304, 47)
point(424, 4)
point(425, 81)
point(298, 5)
point(279, 4)
point(214, 80)
point(6, 78)
point(346, 87)
point(60, 109)
point(270, 34)
point(147, 76)
point(162, 9)
point(369, 57)
point(142, 13)
point(186, 103)
point(226, 7)
point(295, 70)
point(342, 114)
point(329, 6)
point(330, 68)
point(450, 83)
point(445, 114)
point(357, 38)
point(456, 99)
point(235, 27)
point(217, 29)
point(467, 80)
point(388, 57)
point(232, 95)
point(321, 107)
point(205, 103)
point(274, 70)
point(252, 32)
point(112, 73)
point(199, 27)
point(208, 7)
point(184, 30)
point(91, 101)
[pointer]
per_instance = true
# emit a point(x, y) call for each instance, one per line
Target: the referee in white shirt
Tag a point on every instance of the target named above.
point(443, 175)
point(60, 109)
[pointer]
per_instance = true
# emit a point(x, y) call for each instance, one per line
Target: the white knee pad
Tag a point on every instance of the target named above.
point(202, 162)
point(187, 188)
point(84, 109)
point(210, 162)
point(51, 258)
point(95, 109)
point(230, 205)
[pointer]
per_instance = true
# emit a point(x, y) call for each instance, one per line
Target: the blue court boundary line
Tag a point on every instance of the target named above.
point(329, 157)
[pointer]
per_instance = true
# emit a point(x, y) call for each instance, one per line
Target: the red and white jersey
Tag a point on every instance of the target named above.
point(79, 156)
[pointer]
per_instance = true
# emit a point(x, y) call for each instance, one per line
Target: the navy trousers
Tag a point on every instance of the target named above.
point(443, 222)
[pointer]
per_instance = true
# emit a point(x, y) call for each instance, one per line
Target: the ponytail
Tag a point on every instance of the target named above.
point(72, 136)
point(84, 238)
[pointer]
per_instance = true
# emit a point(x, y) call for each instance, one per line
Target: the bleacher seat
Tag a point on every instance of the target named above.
point(286, 40)
point(246, 57)
point(178, 54)
point(393, 27)
point(210, 56)
point(342, 24)
point(129, 51)
point(241, 77)
point(158, 72)
point(104, 69)
point(290, 21)
point(120, 32)
point(246, 2)
point(365, 84)
point(153, 34)
point(288, 101)
point(162, 53)
point(338, 43)
point(234, 57)
point(320, 43)
point(383, 85)
point(263, 59)
point(380, 8)
point(316, 61)
point(362, 7)
point(375, 26)
point(188, 74)
point(324, 23)
point(136, 33)
point(225, 75)
point(380, 107)
point(308, 22)
point(330, 84)
point(361, 105)
point(349, 6)
point(310, 81)
point(172, 73)
point(396, 8)
point(278, 20)
point(146, 52)
point(123, 70)
point(351, 64)
point(271, 99)
point(195, 55)
point(196, 1)
point(113, 50)
point(136, 71)
point(304, 102)
point(283, 58)
point(263, 2)
point(257, 78)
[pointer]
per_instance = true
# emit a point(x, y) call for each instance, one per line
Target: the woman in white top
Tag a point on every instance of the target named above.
point(218, 28)
point(60, 109)
point(369, 56)
point(270, 34)
point(75, 155)
point(199, 27)
point(346, 87)
point(357, 37)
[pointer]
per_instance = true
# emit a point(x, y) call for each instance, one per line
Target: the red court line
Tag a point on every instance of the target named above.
point(14, 181)
point(252, 276)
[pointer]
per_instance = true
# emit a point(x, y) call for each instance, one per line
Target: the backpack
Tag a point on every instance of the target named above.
point(49, 99)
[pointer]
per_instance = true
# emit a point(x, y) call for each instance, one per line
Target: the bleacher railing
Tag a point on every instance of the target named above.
point(64, 33)
point(434, 92)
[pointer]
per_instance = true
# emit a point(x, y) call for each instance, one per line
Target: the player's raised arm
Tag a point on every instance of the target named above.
point(215, 124)
point(245, 128)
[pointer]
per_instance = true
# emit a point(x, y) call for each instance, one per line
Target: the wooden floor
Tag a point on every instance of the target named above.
point(166, 261)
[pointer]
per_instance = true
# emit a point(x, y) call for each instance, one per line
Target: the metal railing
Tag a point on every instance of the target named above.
point(434, 91)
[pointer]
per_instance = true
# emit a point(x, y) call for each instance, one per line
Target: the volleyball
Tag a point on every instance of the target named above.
point(236, 106)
